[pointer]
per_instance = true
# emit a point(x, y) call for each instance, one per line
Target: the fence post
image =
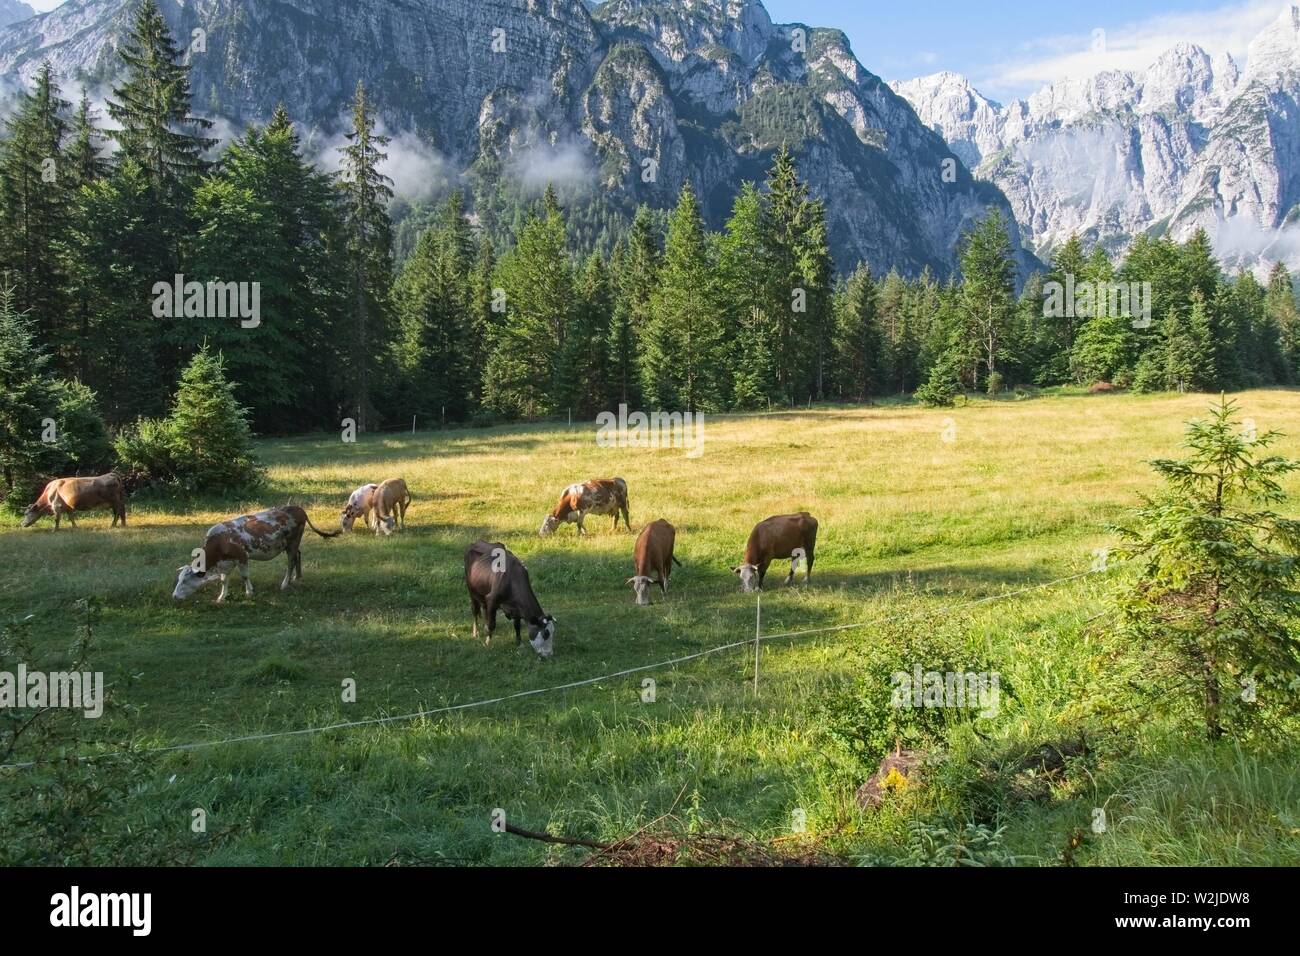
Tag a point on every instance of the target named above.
point(758, 630)
point(412, 424)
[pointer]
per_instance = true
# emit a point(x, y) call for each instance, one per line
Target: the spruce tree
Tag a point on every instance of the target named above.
point(1215, 605)
point(521, 376)
point(26, 398)
point(368, 247)
point(858, 341)
point(682, 344)
point(988, 286)
point(208, 431)
point(35, 186)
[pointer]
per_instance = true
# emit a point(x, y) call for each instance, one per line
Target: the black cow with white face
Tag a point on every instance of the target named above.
point(498, 581)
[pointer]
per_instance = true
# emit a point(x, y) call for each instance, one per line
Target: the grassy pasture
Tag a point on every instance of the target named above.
point(920, 511)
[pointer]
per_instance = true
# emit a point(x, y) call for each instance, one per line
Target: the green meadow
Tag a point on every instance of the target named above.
point(924, 514)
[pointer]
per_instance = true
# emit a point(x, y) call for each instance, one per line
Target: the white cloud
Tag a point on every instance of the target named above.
point(417, 170)
point(1131, 46)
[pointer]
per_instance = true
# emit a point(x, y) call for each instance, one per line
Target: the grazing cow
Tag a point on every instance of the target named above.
point(390, 502)
point(782, 536)
point(498, 581)
point(66, 496)
point(654, 559)
point(256, 537)
point(361, 503)
point(600, 496)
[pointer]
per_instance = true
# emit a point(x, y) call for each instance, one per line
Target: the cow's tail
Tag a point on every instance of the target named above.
point(323, 534)
point(675, 561)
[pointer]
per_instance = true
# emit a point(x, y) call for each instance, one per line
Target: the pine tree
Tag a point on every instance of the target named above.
point(368, 247)
point(1280, 306)
point(35, 184)
point(987, 291)
point(25, 394)
point(797, 261)
point(1215, 604)
point(208, 430)
point(635, 279)
point(152, 108)
point(858, 343)
point(583, 363)
point(521, 377)
point(682, 344)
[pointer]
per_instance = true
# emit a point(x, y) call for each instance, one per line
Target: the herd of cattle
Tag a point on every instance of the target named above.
point(497, 581)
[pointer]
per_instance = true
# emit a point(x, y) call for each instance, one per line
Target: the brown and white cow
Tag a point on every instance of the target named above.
point(361, 503)
point(600, 496)
point(390, 502)
point(66, 496)
point(781, 536)
point(255, 537)
point(498, 581)
point(654, 560)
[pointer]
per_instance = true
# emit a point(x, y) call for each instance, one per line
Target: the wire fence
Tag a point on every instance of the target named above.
point(756, 641)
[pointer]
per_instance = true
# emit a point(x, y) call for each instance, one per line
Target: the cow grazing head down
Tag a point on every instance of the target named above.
point(188, 581)
point(549, 524)
point(641, 588)
point(34, 513)
point(347, 519)
point(748, 578)
point(541, 635)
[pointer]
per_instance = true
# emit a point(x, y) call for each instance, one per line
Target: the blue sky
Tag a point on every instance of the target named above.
point(1011, 47)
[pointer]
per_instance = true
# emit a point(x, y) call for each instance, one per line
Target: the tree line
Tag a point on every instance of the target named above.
point(501, 312)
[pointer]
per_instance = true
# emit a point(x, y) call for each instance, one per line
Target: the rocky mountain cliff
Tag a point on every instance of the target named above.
point(11, 11)
point(632, 96)
point(1192, 141)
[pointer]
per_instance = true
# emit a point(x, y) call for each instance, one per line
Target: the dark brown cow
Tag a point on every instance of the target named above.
point(255, 537)
point(600, 496)
point(498, 581)
point(65, 496)
point(654, 559)
point(781, 536)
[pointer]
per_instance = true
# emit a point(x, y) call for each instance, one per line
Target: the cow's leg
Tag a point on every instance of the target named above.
point(807, 572)
point(297, 563)
point(581, 529)
point(762, 572)
point(491, 615)
point(518, 639)
point(248, 580)
point(475, 609)
point(72, 518)
point(122, 512)
point(225, 587)
point(288, 572)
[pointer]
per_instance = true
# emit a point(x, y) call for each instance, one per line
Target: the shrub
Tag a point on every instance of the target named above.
point(1215, 605)
point(143, 449)
point(866, 717)
point(940, 389)
point(82, 443)
point(205, 444)
point(995, 384)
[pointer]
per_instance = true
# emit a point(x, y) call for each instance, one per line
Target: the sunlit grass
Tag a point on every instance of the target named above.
point(919, 510)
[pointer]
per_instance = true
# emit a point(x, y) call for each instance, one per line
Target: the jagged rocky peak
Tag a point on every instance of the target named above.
point(1276, 51)
point(12, 11)
point(701, 90)
point(687, 27)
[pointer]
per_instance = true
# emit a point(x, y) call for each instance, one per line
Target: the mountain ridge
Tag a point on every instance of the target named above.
point(1192, 141)
point(719, 88)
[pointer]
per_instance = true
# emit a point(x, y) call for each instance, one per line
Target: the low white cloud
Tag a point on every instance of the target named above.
point(565, 165)
point(1129, 46)
point(1240, 241)
point(417, 170)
